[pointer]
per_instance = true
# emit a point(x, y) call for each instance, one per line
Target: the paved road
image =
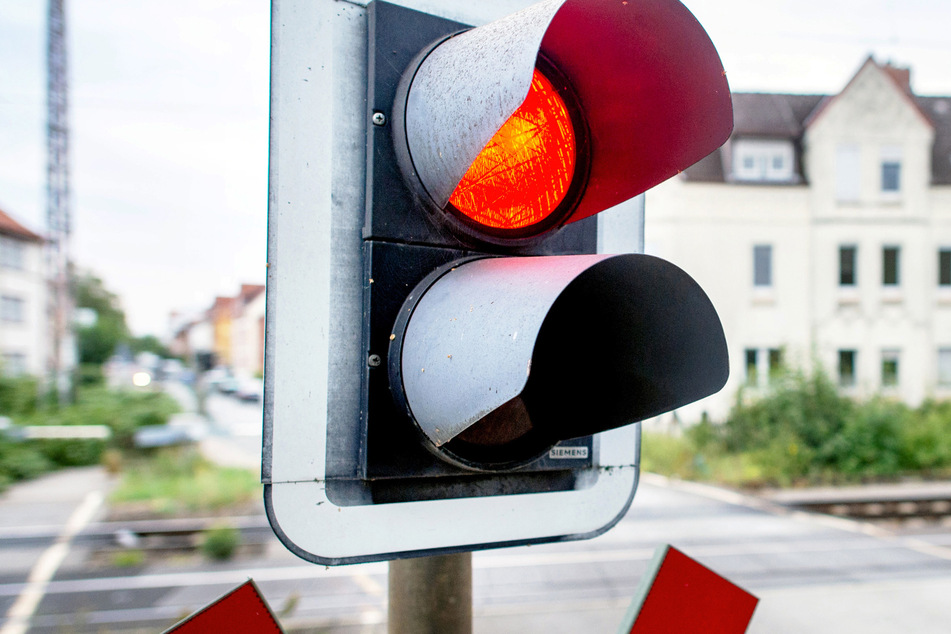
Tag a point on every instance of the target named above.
point(61, 505)
point(812, 574)
point(233, 431)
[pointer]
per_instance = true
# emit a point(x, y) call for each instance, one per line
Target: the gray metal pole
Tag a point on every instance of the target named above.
point(431, 595)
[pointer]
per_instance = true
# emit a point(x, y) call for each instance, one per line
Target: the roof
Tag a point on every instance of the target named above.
point(221, 308)
point(938, 109)
point(762, 115)
point(786, 116)
point(249, 292)
point(10, 227)
point(772, 115)
point(245, 296)
point(900, 78)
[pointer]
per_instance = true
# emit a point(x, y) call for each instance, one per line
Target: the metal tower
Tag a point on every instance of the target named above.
point(61, 352)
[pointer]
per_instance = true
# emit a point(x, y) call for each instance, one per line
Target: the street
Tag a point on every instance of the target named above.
point(812, 573)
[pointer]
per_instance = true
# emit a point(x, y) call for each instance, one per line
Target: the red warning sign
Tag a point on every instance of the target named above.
point(678, 594)
point(241, 610)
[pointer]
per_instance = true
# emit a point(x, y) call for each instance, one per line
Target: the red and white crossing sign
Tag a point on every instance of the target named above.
point(241, 610)
point(678, 594)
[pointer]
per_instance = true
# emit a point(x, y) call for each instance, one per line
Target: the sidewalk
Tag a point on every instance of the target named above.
point(60, 503)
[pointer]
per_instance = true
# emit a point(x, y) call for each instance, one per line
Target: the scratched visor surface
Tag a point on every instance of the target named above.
point(645, 73)
point(469, 343)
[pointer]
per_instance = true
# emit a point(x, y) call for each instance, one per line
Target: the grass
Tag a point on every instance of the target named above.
point(179, 481)
point(678, 457)
point(128, 558)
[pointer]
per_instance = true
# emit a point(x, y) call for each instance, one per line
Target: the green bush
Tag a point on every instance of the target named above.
point(122, 412)
point(220, 542)
point(926, 439)
point(67, 452)
point(802, 430)
point(21, 461)
point(801, 406)
point(870, 443)
point(89, 374)
point(19, 396)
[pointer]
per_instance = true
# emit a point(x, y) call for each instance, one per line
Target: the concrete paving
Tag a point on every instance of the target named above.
point(61, 503)
point(812, 573)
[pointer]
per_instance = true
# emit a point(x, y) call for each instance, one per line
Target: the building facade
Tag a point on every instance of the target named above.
point(247, 332)
point(23, 317)
point(822, 232)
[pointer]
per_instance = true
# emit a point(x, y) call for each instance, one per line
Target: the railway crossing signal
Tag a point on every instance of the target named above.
point(501, 360)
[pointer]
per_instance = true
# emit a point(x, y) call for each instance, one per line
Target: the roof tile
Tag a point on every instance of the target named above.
point(10, 227)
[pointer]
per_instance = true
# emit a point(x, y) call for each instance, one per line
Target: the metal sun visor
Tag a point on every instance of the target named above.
point(581, 343)
point(648, 79)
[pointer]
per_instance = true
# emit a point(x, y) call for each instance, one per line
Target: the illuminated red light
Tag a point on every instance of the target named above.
point(525, 170)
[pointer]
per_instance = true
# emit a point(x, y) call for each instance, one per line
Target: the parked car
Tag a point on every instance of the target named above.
point(250, 390)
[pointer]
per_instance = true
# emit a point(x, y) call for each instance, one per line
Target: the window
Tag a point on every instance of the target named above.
point(11, 253)
point(752, 375)
point(848, 173)
point(756, 373)
point(891, 273)
point(763, 265)
point(944, 267)
point(846, 368)
point(891, 169)
point(890, 360)
point(891, 176)
point(764, 160)
point(14, 364)
point(11, 309)
point(775, 356)
point(944, 367)
point(847, 265)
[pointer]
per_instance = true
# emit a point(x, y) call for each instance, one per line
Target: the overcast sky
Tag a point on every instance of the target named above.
point(169, 116)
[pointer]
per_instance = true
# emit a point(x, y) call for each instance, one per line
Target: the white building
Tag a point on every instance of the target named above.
point(247, 332)
point(822, 231)
point(23, 322)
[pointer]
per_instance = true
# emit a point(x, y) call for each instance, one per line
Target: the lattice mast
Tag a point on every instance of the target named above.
point(61, 353)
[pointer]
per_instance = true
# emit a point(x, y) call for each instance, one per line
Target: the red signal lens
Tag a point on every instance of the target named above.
point(525, 170)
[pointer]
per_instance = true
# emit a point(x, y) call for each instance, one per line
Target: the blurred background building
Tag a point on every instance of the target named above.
point(231, 331)
point(822, 232)
point(23, 318)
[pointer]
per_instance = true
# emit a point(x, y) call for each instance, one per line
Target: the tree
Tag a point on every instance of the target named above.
point(97, 339)
point(149, 343)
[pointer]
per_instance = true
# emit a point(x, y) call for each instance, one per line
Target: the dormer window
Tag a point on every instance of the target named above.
point(763, 161)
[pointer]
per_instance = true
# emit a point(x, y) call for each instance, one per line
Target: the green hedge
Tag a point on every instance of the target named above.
point(804, 431)
point(122, 411)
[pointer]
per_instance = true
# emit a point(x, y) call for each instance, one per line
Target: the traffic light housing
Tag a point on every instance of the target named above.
point(496, 343)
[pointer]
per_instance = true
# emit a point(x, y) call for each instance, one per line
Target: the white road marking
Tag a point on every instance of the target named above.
point(20, 613)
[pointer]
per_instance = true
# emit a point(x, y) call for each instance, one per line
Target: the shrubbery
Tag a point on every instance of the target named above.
point(803, 431)
point(123, 412)
point(220, 542)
